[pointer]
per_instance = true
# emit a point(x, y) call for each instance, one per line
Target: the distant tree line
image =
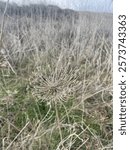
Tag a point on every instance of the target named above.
point(37, 10)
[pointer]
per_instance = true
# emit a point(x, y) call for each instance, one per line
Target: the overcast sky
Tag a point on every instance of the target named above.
point(88, 5)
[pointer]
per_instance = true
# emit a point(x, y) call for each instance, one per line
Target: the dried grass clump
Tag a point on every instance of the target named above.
point(59, 78)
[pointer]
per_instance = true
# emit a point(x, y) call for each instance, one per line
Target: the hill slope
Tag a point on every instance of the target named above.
point(55, 79)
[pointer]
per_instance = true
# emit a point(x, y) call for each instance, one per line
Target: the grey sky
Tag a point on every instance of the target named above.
point(92, 5)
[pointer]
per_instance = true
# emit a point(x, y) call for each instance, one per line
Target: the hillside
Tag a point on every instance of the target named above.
point(55, 79)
